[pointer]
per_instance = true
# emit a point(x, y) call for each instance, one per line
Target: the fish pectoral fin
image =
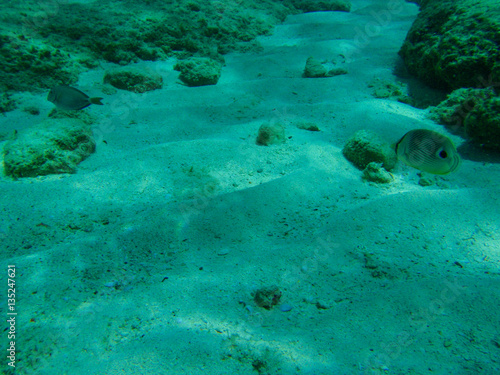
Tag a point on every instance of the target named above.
point(96, 101)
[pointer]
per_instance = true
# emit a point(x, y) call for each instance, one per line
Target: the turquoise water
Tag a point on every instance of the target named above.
point(210, 216)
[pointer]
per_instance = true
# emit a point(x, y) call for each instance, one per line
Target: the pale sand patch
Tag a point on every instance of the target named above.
point(408, 274)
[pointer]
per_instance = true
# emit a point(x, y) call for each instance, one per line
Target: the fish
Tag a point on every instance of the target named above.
point(428, 151)
point(68, 98)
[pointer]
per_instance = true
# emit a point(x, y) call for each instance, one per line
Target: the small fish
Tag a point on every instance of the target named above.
point(67, 98)
point(428, 151)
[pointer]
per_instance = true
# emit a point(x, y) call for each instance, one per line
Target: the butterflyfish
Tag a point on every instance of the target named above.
point(428, 151)
point(69, 98)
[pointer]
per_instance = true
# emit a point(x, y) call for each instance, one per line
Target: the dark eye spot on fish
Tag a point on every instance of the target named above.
point(69, 98)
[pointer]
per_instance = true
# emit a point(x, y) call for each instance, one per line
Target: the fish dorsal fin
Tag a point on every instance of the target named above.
point(76, 90)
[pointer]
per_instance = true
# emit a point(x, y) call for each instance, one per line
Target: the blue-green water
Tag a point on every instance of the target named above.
point(207, 217)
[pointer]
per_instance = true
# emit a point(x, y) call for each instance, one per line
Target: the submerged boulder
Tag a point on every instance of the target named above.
point(199, 71)
point(314, 68)
point(482, 123)
point(374, 172)
point(365, 147)
point(476, 110)
point(454, 43)
point(133, 79)
point(317, 69)
point(271, 134)
point(458, 104)
point(51, 147)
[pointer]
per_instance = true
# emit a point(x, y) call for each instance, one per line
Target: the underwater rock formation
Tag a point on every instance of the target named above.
point(26, 66)
point(365, 147)
point(51, 147)
point(482, 124)
point(374, 172)
point(50, 45)
point(267, 297)
point(474, 110)
point(199, 71)
point(270, 134)
point(314, 68)
point(455, 43)
point(458, 104)
point(132, 79)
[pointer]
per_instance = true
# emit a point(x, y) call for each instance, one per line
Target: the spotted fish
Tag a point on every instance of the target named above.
point(428, 151)
point(67, 98)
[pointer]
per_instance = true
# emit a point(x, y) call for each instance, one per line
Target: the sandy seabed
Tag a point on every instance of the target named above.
point(146, 260)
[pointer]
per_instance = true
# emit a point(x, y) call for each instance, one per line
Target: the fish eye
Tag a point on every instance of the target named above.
point(442, 154)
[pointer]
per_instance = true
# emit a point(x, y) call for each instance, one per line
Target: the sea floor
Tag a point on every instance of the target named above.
point(147, 260)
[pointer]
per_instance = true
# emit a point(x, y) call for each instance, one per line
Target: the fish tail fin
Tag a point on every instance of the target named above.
point(96, 101)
